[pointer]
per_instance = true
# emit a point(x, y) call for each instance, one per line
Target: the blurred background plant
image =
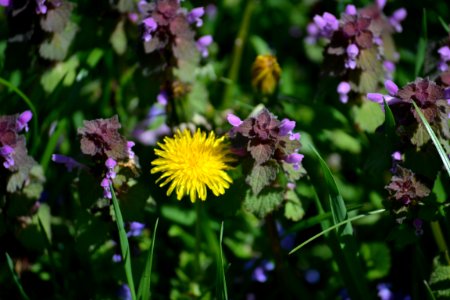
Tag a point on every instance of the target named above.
point(100, 84)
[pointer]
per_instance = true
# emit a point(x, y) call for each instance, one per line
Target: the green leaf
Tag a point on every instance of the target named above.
point(444, 24)
point(261, 176)
point(420, 136)
point(260, 46)
point(124, 247)
point(440, 280)
point(377, 258)
point(144, 285)
point(434, 138)
point(15, 277)
point(293, 209)
point(119, 39)
point(389, 119)
point(57, 47)
point(368, 116)
point(439, 190)
point(264, 203)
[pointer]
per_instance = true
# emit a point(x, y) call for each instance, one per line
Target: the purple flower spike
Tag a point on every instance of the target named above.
point(195, 15)
point(234, 120)
point(203, 44)
point(41, 8)
point(163, 98)
point(398, 16)
point(4, 3)
point(343, 89)
point(69, 162)
point(286, 127)
point(350, 10)
point(391, 87)
point(22, 121)
point(150, 26)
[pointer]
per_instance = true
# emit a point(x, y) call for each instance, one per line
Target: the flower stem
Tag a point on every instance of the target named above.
point(236, 58)
point(440, 240)
point(198, 232)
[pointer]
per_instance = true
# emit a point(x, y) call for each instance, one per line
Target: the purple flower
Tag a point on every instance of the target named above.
point(106, 190)
point(7, 152)
point(294, 136)
point(110, 164)
point(384, 291)
point(418, 223)
point(69, 162)
point(117, 258)
point(151, 137)
point(234, 120)
point(41, 8)
point(312, 276)
point(398, 16)
point(397, 156)
point(313, 33)
point(261, 272)
point(350, 9)
point(380, 3)
point(130, 145)
point(352, 53)
point(391, 87)
point(124, 292)
point(150, 26)
point(290, 185)
point(136, 229)
point(444, 53)
point(295, 159)
point(4, 2)
point(286, 127)
point(195, 15)
point(389, 67)
point(203, 44)
point(327, 24)
point(343, 89)
point(163, 98)
point(23, 119)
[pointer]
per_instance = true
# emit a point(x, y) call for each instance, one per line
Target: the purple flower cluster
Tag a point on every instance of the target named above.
point(149, 26)
point(203, 43)
point(390, 98)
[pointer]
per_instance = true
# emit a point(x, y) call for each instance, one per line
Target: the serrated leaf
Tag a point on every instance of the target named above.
point(261, 176)
point(261, 153)
point(57, 47)
point(293, 209)
point(119, 39)
point(420, 136)
point(264, 203)
point(440, 280)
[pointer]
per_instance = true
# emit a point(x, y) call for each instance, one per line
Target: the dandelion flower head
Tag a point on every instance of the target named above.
point(192, 162)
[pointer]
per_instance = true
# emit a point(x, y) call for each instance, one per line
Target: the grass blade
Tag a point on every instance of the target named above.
point(444, 25)
point(422, 46)
point(16, 278)
point(335, 227)
point(144, 292)
point(434, 138)
point(429, 291)
point(124, 247)
point(221, 268)
point(342, 242)
point(52, 143)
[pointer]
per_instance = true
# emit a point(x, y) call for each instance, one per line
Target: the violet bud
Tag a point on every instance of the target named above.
point(294, 158)
point(350, 9)
point(444, 52)
point(391, 87)
point(234, 120)
point(150, 26)
point(163, 98)
point(286, 127)
point(375, 97)
point(203, 44)
point(352, 51)
point(23, 119)
point(110, 163)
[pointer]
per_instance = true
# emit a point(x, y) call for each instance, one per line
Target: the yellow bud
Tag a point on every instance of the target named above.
point(265, 74)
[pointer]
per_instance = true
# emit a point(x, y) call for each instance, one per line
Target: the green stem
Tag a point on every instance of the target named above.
point(440, 240)
point(198, 232)
point(236, 58)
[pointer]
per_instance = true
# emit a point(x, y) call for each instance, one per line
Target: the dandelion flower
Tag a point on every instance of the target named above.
point(192, 162)
point(266, 73)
